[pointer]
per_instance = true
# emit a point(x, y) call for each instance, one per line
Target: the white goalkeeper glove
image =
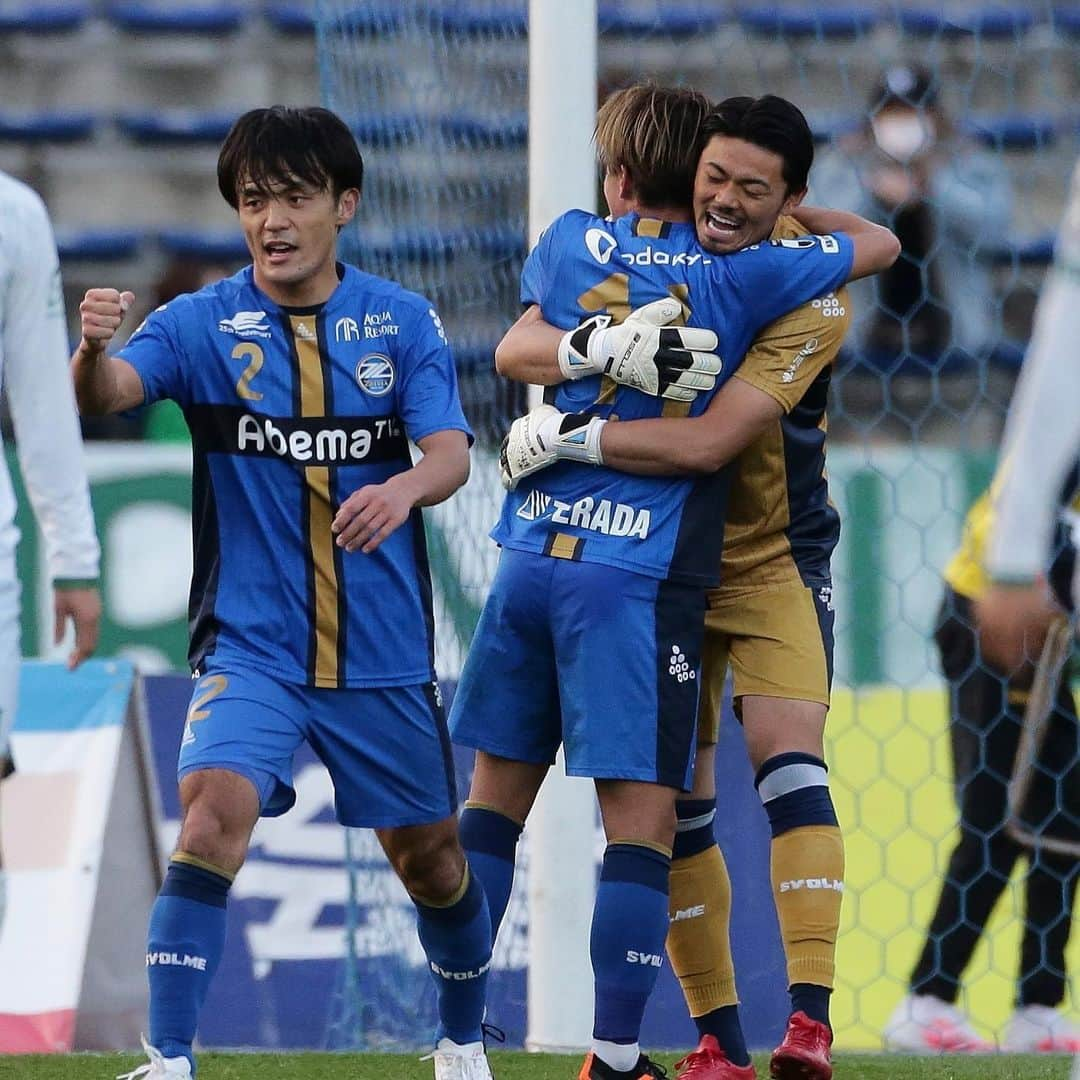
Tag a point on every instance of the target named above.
point(675, 362)
point(543, 436)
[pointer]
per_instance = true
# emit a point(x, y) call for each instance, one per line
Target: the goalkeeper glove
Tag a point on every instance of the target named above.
point(543, 436)
point(675, 362)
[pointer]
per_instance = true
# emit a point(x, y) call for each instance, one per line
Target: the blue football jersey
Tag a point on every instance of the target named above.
point(290, 411)
point(663, 527)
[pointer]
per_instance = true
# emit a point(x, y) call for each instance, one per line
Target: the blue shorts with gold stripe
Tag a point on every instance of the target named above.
point(605, 661)
point(387, 749)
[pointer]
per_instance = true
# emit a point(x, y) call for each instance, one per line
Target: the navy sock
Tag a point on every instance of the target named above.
point(812, 1000)
point(724, 1026)
point(457, 943)
point(184, 946)
point(490, 842)
point(694, 827)
point(629, 926)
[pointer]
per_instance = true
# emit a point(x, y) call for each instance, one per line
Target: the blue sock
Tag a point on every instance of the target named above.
point(457, 943)
point(490, 842)
point(629, 927)
point(184, 945)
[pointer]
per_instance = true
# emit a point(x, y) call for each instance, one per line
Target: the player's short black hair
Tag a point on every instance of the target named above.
point(771, 122)
point(279, 144)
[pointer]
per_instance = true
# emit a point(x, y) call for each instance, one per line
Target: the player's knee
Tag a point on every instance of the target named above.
point(431, 867)
point(215, 837)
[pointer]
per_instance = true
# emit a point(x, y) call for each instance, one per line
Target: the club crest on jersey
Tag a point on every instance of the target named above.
point(375, 374)
point(246, 324)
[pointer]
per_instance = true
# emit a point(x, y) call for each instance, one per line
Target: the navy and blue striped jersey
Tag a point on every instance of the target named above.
point(663, 527)
point(290, 411)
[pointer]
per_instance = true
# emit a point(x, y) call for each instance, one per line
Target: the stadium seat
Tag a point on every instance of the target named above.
point(143, 17)
point(97, 245)
point(1012, 131)
point(465, 19)
point(827, 127)
point(46, 127)
point(179, 127)
point(43, 18)
point(290, 18)
point(486, 132)
point(1026, 251)
point(387, 130)
point(372, 18)
point(1067, 20)
point(823, 22)
point(670, 20)
point(210, 245)
point(996, 21)
point(470, 359)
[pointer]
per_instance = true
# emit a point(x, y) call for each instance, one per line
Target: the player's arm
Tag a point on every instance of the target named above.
point(782, 362)
point(103, 384)
point(46, 427)
point(644, 351)
point(876, 248)
point(371, 513)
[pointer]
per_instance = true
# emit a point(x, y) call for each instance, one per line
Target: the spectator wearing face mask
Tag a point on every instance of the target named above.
point(909, 168)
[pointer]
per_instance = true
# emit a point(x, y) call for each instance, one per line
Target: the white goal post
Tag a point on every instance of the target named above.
point(562, 176)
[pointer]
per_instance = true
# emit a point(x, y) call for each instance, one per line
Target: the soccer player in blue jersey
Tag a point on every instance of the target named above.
point(311, 598)
point(595, 618)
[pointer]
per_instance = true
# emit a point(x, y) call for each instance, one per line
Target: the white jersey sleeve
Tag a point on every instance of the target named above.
point(1042, 435)
point(34, 364)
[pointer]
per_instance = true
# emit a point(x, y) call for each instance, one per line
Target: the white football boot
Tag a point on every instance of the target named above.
point(1042, 1030)
point(924, 1024)
point(454, 1062)
point(159, 1067)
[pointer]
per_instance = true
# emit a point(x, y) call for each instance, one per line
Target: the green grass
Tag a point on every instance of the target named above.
point(510, 1066)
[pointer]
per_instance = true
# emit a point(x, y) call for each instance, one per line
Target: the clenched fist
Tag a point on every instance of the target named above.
point(101, 313)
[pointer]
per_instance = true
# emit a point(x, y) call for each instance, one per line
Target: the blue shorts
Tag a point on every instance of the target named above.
point(603, 660)
point(387, 749)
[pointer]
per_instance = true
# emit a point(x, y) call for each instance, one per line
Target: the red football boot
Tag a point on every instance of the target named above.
point(804, 1053)
point(709, 1062)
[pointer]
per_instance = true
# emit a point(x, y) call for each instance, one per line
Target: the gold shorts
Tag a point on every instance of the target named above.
point(778, 640)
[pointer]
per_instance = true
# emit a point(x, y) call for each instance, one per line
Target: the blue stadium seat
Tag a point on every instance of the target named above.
point(1026, 251)
point(827, 127)
point(994, 21)
point(176, 127)
point(41, 127)
point(290, 18)
point(1012, 131)
point(211, 245)
point(372, 18)
point(489, 132)
point(670, 20)
point(97, 245)
point(825, 22)
point(144, 17)
point(1067, 20)
point(472, 20)
point(497, 242)
point(387, 130)
point(43, 18)
point(471, 359)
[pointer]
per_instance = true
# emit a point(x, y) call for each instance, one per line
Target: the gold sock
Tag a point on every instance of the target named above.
point(807, 881)
point(698, 942)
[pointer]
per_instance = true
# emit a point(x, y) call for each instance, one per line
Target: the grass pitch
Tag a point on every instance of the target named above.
point(513, 1066)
